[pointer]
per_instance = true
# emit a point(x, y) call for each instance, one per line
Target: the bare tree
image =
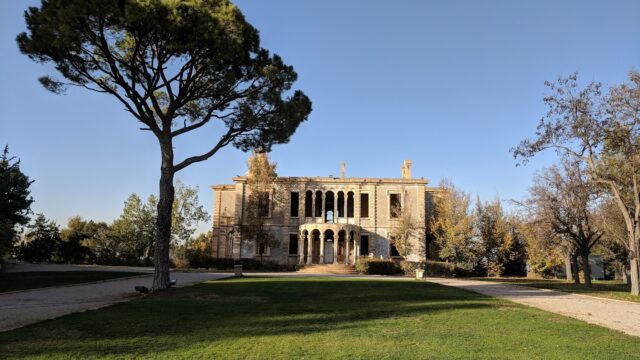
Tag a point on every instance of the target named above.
point(404, 231)
point(602, 132)
point(565, 200)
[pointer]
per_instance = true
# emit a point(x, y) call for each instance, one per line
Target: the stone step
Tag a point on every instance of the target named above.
point(327, 269)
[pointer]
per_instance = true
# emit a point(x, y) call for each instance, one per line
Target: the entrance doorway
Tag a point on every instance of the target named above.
point(328, 247)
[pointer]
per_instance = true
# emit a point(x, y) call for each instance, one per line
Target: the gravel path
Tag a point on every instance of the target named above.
point(613, 314)
point(22, 308)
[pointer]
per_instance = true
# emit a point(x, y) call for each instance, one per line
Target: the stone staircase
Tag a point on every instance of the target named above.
point(338, 269)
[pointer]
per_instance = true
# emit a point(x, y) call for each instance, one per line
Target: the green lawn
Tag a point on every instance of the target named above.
point(601, 288)
point(33, 280)
point(311, 318)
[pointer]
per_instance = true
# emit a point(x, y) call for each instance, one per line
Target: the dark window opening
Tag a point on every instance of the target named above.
point(350, 204)
point(261, 249)
point(364, 245)
point(295, 203)
point(263, 204)
point(293, 244)
point(364, 205)
point(395, 205)
point(329, 216)
point(308, 204)
point(340, 204)
point(318, 204)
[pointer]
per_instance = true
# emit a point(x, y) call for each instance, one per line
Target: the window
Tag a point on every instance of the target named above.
point(364, 245)
point(293, 244)
point(364, 205)
point(295, 203)
point(395, 205)
point(350, 204)
point(308, 204)
point(318, 203)
point(263, 204)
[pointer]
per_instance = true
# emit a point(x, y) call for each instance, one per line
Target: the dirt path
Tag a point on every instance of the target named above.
point(22, 308)
point(613, 314)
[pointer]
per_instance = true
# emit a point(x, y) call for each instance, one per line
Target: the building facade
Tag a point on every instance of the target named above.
point(325, 220)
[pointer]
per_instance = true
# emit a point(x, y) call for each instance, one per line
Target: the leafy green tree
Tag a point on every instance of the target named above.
point(500, 239)
point(452, 225)
point(602, 131)
point(187, 213)
point(134, 229)
point(40, 242)
point(15, 202)
point(72, 248)
point(176, 66)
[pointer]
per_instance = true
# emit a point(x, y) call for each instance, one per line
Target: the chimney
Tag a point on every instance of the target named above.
point(406, 169)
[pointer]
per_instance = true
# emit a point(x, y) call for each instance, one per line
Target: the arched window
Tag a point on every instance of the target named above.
point(308, 203)
point(328, 207)
point(350, 206)
point(340, 204)
point(318, 203)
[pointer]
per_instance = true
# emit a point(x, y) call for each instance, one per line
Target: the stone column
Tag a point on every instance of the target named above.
point(321, 248)
point(309, 248)
point(313, 205)
point(336, 236)
point(335, 208)
point(324, 202)
point(344, 205)
point(301, 248)
point(346, 253)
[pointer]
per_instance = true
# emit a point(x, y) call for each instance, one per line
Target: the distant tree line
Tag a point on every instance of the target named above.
point(128, 240)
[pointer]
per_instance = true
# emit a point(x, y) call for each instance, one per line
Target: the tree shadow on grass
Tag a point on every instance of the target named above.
point(236, 309)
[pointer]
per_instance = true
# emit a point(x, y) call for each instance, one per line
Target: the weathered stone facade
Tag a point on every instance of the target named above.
point(324, 219)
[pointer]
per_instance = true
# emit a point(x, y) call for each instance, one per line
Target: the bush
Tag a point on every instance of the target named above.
point(377, 267)
point(439, 268)
point(197, 259)
point(409, 267)
point(448, 269)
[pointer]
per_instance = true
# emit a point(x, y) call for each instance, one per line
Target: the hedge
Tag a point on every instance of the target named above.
point(377, 267)
point(210, 262)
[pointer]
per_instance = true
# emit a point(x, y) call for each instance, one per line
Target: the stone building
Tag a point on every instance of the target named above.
point(325, 220)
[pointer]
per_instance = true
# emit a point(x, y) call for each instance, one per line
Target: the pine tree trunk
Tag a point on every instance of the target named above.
point(586, 269)
point(635, 276)
point(163, 221)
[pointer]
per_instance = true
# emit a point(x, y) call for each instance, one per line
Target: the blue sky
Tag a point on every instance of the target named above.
point(451, 85)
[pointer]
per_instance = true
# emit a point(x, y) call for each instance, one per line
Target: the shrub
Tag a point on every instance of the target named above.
point(409, 267)
point(439, 268)
point(377, 267)
point(200, 260)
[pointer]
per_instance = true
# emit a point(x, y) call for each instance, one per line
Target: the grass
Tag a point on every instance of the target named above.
point(313, 318)
point(601, 288)
point(33, 280)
